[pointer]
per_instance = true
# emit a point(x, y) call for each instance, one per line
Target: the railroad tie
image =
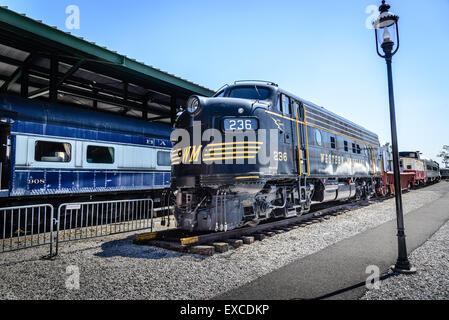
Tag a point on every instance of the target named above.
point(259, 236)
point(269, 233)
point(235, 242)
point(221, 246)
point(248, 240)
point(203, 250)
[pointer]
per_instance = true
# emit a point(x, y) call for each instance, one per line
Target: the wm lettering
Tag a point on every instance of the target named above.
point(191, 154)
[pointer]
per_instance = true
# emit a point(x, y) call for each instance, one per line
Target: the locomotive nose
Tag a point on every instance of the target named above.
point(215, 138)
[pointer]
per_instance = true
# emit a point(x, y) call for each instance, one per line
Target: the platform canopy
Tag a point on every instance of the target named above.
point(38, 61)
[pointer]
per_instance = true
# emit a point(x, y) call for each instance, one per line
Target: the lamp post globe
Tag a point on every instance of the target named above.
point(387, 38)
point(386, 30)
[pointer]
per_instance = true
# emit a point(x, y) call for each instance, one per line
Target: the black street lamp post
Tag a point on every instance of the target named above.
point(386, 31)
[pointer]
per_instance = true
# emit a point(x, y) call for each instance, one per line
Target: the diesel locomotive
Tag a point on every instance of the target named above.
point(254, 151)
point(426, 171)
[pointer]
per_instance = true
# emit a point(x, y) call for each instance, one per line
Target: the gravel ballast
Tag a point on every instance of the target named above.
point(431, 282)
point(114, 268)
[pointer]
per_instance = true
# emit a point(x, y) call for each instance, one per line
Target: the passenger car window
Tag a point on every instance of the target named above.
point(358, 149)
point(353, 148)
point(46, 151)
point(163, 158)
point(346, 146)
point(97, 154)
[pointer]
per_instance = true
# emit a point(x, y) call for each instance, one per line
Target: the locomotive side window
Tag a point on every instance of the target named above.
point(97, 154)
point(346, 146)
point(296, 109)
point(278, 105)
point(333, 145)
point(163, 158)
point(318, 137)
point(286, 105)
point(46, 151)
point(220, 94)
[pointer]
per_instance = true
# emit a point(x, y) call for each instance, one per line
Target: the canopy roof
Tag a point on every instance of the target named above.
point(38, 61)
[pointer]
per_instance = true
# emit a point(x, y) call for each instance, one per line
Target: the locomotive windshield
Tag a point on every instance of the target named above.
point(250, 92)
point(408, 155)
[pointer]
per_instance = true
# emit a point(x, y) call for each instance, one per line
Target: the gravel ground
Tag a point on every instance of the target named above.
point(431, 282)
point(114, 268)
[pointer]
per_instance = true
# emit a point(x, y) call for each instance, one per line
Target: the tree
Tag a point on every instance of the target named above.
point(444, 154)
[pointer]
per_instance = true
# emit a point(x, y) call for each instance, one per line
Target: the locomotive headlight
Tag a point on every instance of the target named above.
point(193, 104)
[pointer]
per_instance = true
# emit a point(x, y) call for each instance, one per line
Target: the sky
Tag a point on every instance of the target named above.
point(321, 51)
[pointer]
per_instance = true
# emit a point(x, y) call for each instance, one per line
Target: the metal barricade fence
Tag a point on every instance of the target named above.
point(84, 220)
point(26, 226)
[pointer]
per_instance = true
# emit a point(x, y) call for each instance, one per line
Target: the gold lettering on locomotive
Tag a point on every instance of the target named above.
point(191, 154)
point(186, 154)
point(334, 159)
point(195, 154)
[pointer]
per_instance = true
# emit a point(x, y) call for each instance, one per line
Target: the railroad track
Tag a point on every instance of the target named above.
point(211, 243)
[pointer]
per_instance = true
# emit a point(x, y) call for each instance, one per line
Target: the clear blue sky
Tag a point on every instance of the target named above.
point(320, 50)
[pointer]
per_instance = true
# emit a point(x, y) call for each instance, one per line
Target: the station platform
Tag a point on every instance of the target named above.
point(339, 271)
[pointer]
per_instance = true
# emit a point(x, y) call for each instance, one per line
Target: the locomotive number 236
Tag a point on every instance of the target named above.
point(280, 156)
point(240, 124)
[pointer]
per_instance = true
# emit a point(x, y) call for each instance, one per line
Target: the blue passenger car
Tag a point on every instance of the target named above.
point(54, 149)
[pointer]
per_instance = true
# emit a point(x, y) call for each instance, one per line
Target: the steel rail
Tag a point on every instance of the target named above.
point(185, 238)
